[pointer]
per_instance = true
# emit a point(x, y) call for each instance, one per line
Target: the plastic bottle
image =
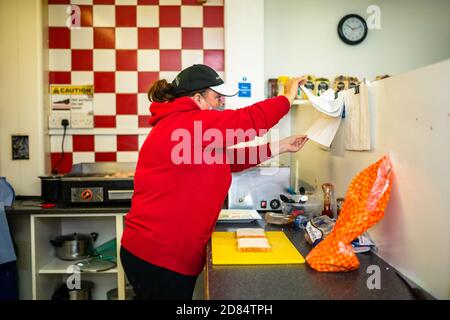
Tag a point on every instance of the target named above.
point(299, 93)
point(272, 89)
point(327, 194)
point(281, 82)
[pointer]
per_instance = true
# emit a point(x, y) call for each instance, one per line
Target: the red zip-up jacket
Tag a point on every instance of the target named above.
point(175, 205)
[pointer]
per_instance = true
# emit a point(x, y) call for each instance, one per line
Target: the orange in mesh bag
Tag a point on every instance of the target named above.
point(363, 207)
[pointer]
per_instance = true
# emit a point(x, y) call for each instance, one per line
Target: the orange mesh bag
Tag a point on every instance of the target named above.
point(363, 207)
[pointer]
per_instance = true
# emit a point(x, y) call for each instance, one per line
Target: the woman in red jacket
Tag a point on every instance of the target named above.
point(183, 175)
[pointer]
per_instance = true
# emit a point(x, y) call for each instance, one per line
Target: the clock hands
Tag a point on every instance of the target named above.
point(350, 27)
point(353, 29)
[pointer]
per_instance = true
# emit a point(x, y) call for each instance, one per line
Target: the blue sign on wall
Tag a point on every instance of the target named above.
point(245, 94)
point(245, 89)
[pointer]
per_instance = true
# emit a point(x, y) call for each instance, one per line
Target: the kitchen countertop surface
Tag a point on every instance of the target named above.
point(260, 282)
point(32, 205)
point(297, 282)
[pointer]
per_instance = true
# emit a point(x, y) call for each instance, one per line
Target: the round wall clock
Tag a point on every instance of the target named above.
point(352, 29)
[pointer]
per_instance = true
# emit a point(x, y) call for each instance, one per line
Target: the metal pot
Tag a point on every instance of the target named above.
point(84, 293)
point(74, 246)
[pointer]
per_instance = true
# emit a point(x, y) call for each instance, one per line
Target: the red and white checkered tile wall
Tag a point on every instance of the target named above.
point(121, 48)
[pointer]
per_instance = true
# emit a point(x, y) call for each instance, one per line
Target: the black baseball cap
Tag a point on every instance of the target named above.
point(199, 77)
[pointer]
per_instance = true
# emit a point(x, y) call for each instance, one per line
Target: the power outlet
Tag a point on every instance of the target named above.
point(55, 119)
point(82, 120)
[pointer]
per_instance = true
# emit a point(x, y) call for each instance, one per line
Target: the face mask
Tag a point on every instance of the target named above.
point(207, 104)
point(219, 108)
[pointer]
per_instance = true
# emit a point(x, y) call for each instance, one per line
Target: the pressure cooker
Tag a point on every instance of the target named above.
point(84, 292)
point(74, 246)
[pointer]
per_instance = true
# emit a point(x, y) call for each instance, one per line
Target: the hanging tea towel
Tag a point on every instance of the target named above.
point(357, 128)
point(324, 129)
point(326, 103)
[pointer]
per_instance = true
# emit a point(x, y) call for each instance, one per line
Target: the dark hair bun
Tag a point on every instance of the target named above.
point(161, 91)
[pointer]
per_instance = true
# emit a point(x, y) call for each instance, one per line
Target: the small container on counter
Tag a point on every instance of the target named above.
point(300, 222)
point(311, 208)
point(279, 219)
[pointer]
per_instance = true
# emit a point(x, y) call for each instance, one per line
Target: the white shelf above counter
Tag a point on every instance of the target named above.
point(58, 266)
point(301, 102)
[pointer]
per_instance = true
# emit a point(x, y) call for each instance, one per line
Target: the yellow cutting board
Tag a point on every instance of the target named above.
point(225, 251)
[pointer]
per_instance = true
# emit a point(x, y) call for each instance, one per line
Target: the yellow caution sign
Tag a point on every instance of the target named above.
point(85, 90)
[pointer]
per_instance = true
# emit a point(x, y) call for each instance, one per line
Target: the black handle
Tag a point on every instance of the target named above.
point(94, 235)
point(62, 293)
point(56, 243)
point(286, 199)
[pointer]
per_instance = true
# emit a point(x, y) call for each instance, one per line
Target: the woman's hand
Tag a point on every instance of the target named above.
point(289, 144)
point(291, 88)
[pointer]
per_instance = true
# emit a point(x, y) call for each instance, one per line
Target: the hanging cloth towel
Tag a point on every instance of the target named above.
point(7, 253)
point(357, 128)
point(324, 129)
point(326, 103)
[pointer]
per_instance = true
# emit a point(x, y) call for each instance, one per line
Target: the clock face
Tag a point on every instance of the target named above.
point(352, 29)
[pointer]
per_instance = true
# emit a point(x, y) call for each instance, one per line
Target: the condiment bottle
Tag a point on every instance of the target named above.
point(327, 192)
point(281, 81)
point(272, 89)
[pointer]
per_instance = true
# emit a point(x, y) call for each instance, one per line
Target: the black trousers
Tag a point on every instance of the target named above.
point(151, 282)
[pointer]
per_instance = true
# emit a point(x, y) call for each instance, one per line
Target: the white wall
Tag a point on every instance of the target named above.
point(301, 37)
point(244, 47)
point(21, 89)
point(410, 122)
point(244, 57)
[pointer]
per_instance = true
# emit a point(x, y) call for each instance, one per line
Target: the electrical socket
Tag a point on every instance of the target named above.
point(55, 119)
point(82, 120)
